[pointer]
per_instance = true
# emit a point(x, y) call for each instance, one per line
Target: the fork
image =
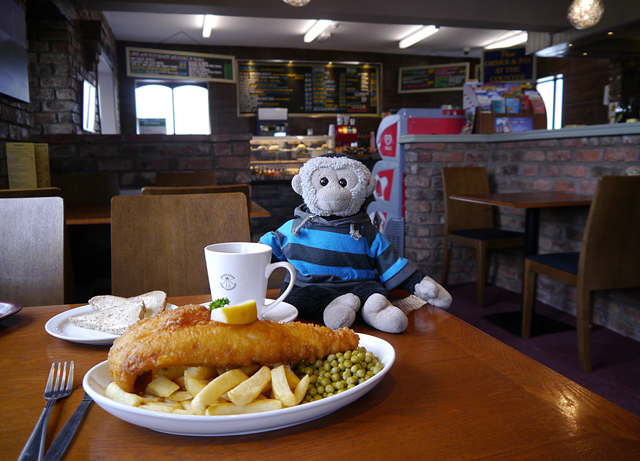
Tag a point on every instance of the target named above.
point(34, 448)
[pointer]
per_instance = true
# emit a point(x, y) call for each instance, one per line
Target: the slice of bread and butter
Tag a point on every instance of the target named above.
point(114, 314)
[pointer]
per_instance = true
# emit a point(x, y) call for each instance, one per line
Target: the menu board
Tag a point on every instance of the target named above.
point(444, 77)
point(144, 62)
point(309, 88)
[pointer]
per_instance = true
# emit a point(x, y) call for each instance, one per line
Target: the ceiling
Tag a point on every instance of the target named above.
point(466, 26)
point(366, 26)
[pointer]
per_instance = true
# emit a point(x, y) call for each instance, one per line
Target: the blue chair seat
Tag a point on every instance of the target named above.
point(487, 234)
point(567, 262)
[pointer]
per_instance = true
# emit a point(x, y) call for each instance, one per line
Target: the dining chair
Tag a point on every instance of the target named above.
point(472, 225)
point(69, 282)
point(32, 269)
point(87, 188)
point(609, 256)
point(158, 241)
point(39, 192)
point(222, 189)
point(186, 178)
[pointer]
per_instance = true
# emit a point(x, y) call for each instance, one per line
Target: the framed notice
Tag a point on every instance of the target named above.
point(14, 62)
point(443, 77)
point(309, 88)
point(151, 63)
point(508, 65)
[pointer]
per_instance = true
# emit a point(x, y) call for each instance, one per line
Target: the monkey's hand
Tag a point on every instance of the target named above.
point(432, 292)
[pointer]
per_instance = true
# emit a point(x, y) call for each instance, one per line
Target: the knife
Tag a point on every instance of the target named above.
point(61, 442)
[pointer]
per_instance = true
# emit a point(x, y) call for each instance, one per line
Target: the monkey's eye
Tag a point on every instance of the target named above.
point(343, 182)
point(324, 181)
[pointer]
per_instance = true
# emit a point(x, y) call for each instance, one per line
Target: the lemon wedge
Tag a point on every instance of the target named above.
point(236, 314)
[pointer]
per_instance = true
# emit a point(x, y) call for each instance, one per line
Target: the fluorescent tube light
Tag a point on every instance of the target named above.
point(417, 36)
point(208, 24)
point(319, 27)
point(516, 39)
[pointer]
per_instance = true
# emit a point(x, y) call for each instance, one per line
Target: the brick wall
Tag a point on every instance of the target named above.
point(137, 159)
point(571, 165)
point(63, 52)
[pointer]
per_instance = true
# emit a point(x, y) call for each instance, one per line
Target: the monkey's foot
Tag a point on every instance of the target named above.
point(341, 312)
point(384, 316)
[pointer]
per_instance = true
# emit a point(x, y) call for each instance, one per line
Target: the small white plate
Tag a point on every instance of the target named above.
point(282, 313)
point(60, 327)
point(98, 378)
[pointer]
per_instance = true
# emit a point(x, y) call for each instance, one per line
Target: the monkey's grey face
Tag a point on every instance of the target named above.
point(334, 185)
point(333, 188)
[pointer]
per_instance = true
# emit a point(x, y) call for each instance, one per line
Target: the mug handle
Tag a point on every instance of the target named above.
point(267, 272)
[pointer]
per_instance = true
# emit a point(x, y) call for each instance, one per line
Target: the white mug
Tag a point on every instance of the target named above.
point(240, 271)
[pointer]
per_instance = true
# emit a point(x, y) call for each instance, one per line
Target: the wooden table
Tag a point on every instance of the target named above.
point(532, 202)
point(101, 214)
point(453, 393)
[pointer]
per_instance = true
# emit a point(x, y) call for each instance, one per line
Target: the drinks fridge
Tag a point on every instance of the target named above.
point(387, 211)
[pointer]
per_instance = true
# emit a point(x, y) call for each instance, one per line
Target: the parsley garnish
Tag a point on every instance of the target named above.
point(218, 303)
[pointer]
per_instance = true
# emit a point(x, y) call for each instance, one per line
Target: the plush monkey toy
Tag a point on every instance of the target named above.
point(344, 265)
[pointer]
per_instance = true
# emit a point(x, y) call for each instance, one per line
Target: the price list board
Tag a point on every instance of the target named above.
point(309, 88)
point(144, 62)
point(444, 77)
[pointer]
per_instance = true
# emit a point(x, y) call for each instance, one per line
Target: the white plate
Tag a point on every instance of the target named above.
point(282, 313)
point(98, 378)
point(60, 327)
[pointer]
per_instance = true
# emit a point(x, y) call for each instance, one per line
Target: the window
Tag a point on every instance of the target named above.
point(172, 108)
point(88, 107)
point(550, 88)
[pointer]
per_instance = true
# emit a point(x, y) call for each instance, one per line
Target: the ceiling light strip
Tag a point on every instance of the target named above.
point(208, 24)
point(517, 39)
point(319, 27)
point(418, 36)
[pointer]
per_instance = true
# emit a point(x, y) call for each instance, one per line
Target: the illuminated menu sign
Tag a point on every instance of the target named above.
point(309, 88)
point(144, 62)
point(444, 77)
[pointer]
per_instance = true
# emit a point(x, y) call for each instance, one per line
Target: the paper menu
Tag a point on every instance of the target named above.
point(28, 165)
point(21, 165)
point(43, 175)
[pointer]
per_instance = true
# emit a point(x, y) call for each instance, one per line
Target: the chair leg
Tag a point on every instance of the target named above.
point(447, 262)
point(528, 291)
point(584, 313)
point(482, 272)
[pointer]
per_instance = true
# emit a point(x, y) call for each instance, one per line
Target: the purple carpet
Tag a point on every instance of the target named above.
point(615, 359)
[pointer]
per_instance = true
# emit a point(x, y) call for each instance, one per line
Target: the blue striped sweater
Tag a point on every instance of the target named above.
point(337, 251)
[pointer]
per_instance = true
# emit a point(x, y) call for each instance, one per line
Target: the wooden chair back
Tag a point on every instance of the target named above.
point(610, 251)
point(87, 189)
point(39, 192)
point(158, 241)
point(242, 188)
point(186, 178)
point(462, 215)
point(32, 250)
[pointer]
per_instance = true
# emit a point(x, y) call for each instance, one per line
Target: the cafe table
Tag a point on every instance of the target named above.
point(532, 202)
point(101, 214)
point(452, 393)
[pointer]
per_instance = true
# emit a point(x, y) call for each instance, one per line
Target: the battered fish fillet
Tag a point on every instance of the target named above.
point(187, 337)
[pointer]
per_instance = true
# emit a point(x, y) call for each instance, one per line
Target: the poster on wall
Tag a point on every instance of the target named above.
point(309, 88)
point(14, 64)
point(152, 63)
point(443, 77)
point(508, 65)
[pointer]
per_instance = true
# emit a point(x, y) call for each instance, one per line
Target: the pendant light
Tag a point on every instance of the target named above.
point(583, 14)
point(296, 2)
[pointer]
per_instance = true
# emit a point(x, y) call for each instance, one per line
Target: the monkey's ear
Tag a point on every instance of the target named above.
point(371, 185)
point(296, 183)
